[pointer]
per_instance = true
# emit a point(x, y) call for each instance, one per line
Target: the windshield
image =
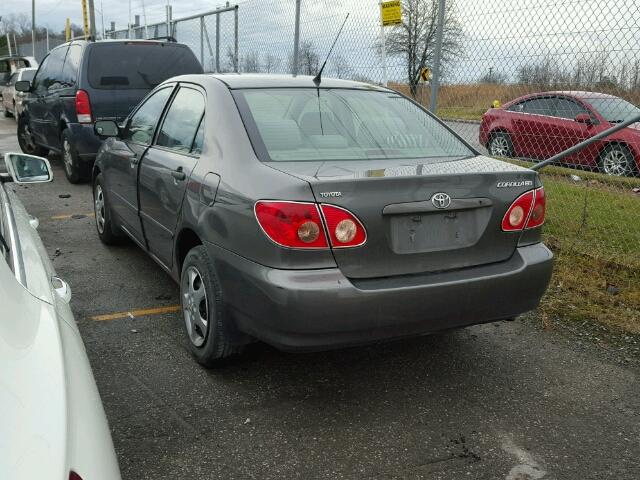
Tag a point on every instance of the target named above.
point(138, 65)
point(613, 109)
point(311, 124)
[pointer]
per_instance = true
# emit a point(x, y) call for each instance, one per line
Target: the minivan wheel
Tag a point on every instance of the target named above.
point(73, 169)
point(26, 141)
point(202, 309)
point(108, 232)
point(500, 145)
point(617, 160)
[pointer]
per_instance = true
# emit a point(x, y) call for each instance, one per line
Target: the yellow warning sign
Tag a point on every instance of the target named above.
point(425, 74)
point(391, 12)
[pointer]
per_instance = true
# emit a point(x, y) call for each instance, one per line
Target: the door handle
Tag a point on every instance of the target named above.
point(178, 174)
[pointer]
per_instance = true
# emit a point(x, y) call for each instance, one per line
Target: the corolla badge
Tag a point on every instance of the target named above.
point(441, 200)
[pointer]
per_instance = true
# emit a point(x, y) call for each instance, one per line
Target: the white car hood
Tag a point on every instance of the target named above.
point(32, 386)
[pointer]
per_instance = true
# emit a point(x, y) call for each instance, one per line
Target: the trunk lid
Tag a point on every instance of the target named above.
point(406, 232)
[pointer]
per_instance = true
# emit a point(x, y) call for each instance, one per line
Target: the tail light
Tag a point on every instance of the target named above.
point(527, 211)
point(74, 476)
point(292, 224)
point(345, 230)
point(83, 107)
point(300, 225)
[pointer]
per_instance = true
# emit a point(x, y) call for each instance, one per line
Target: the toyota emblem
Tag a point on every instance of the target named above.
point(441, 200)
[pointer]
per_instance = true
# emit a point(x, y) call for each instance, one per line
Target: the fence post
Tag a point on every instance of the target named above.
point(202, 41)
point(9, 44)
point(33, 28)
point(217, 43)
point(383, 45)
point(235, 54)
point(296, 40)
point(437, 56)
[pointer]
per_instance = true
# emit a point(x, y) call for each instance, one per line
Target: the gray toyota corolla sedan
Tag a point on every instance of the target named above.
point(314, 217)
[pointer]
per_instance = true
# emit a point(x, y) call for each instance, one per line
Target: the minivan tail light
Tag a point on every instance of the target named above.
point(83, 107)
point(345, 230)
point(516, 217)
point(292, 224)
point(539, 209)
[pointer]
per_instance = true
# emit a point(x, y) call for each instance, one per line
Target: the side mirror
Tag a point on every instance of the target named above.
point(28, 168)
point(583, 118)
point(106, 128)
point(23, 86)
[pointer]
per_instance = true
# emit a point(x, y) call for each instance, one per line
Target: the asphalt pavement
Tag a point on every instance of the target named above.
point(510, 400)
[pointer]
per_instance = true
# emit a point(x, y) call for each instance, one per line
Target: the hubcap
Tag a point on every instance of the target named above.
point(66, 157)
point(499, 146)
point(615, 163)
point(99, 208)
point(194, 306)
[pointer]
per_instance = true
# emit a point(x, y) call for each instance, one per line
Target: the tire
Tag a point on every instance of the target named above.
point(108, 231)
point(74, 169)
point(201, 300)
point(500, 145)
point(617, 160)
point(26, 141)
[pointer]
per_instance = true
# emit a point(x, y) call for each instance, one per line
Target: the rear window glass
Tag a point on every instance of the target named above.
point(138, 65)
point(307, 124)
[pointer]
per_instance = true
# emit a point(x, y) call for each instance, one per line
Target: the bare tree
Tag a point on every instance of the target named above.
point(308, 59)
point(271, 63)
point(340, 67)
point(251, 62)
point(415, 38)
point(493, 77)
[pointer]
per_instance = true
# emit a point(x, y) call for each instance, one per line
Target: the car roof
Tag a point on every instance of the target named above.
point(262, 80)
point(571, 93)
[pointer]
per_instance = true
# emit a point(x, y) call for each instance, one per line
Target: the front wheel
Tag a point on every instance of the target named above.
point(108, 232)
point(618, 161)
point(205, 320)
point(26, 141)
point(500, 145)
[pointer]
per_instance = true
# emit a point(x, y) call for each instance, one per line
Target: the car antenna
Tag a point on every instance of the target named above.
point(318, 78)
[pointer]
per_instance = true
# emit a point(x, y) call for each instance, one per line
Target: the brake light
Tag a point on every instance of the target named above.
point(83, 107)
point(528, 211)
point(539, 209)
point(518, 213)
point(292, 224)
point(345, 230)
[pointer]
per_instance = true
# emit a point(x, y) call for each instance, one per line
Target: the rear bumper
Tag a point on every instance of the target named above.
point(321, 309)
point(85, 140)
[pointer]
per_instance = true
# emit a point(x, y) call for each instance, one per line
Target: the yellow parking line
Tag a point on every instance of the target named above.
point(66, 217)
point(137, 313)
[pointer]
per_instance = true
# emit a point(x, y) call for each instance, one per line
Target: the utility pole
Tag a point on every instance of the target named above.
point(296, 40)
point(437, 56)
point(33, 28)
point(47, 40)
point(92, 20)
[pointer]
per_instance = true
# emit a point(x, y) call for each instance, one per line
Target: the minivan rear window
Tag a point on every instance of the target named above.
point(137, 65)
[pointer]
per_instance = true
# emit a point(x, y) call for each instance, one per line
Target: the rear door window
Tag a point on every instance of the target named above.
point(182, 120)
point(143, 122)
point(71, 64)
point(138, 65)
point(539, 106)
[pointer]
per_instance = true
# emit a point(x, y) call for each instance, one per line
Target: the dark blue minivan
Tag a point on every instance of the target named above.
point(84, 81)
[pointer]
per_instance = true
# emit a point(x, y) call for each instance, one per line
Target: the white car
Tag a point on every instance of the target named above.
point(52, 423)
point(12, 99)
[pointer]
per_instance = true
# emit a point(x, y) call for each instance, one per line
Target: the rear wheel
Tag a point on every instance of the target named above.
point(108, 232)
point(617, 160)
point(26, 141)
point(202, 307)
point(74, 169)
point(500, 145)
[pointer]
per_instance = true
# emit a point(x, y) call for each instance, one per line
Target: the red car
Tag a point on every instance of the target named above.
point(540, 125)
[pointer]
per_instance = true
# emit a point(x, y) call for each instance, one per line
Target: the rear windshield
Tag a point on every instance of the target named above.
point(138, 65)
point(309, 124)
